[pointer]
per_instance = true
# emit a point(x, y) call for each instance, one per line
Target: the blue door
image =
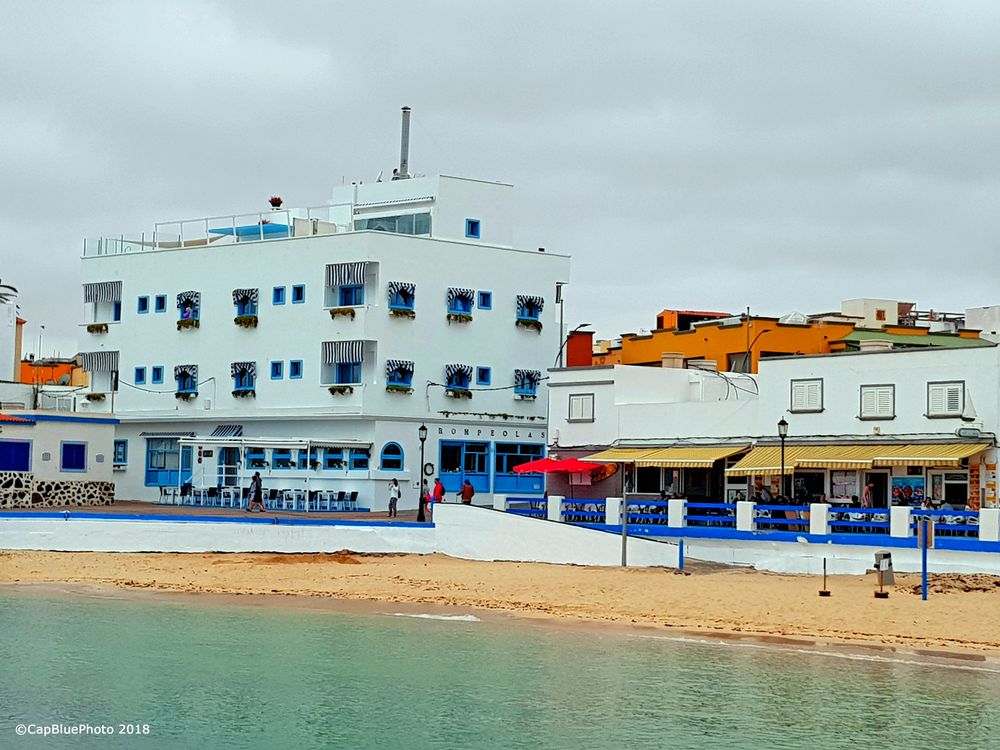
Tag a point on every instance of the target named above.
point(461, 460)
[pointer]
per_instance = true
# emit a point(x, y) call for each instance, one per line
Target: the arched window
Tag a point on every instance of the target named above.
point(392, 457)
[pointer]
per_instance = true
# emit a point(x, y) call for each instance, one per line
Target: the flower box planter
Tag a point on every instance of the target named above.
point(186, 395)
point(456, 317)
point(391, 388)
point(402, 312)
point(529, 323)
point(527, 396)
point(347, 312)
point(246, 321)
point(341, 390)
point(458, 393)
point(95, 396)
point(245, 393)
point(188, 323)
point(97, 328)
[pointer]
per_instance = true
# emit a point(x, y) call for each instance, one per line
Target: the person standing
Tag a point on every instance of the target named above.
point(394, 493)
point(256, 493)
point(467, 493)
point(866, 495)
point(438, 491)
point(426, 498)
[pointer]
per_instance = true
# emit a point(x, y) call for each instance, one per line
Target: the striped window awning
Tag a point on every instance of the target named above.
point(343, 352)
point(452, 370)
point(395, 287)
point(345, 274)
point(100, 361)
point(526, 377)
point(674, 457)
point(166, 434)
point(456, 292)
point(397, 365)
point(103, 291)
point(190, 371)
point(248, 295)
point(189, 299)
point(767, 459)
point(246, 368)
point(523, 300)
point(227, 430)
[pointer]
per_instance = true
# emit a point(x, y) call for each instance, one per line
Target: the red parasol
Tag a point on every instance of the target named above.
point(551, 465)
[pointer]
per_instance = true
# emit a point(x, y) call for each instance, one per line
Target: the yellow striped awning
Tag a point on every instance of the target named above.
point(675, 457)
point(767, 459)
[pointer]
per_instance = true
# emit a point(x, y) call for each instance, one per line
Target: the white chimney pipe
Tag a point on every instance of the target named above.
point(404, 148)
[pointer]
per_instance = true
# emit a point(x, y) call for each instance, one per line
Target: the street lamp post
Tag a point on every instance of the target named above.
point(782, 433)
point(422, 434)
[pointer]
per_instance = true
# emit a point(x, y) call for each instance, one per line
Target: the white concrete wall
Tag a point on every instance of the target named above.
point(47, 437)
point(986, 320)
point(8, 335)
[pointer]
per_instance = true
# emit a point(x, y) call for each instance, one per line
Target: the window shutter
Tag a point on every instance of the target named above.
point(954, 399)
point(814, 395)
point(885, 406)
point(798, 396)
point(935, 399)
point(869, 402)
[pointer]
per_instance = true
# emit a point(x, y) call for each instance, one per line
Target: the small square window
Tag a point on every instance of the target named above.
point(277, 370)
point(140, 375)
point(581, 407)
point(352, 295)
point(278, 295)
point(143, 307)
point(295, 369)
point(121, 453)
point(116, 313)
point(807, 396)
point(486, 300)
point(161, 303)
point(156, 375)
point(483, 376)
point(359, 459)
point(472, 229)
point(74, 457)
point(298, 294)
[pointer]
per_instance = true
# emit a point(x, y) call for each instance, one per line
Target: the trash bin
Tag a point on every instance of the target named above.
point(883, 569)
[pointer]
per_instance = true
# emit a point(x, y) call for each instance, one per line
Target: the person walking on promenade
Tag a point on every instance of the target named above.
point(438, 491)
point(426, 498)
point(394, 493)
point(467, 493)
point(256, 493)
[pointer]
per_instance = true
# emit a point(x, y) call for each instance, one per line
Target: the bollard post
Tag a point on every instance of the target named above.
point(900, 521)
point(680, 556)
point(677, 513)
point(819, 519)
point(745, 515)
point(554, 511)
point(613, 511)
point(499, 502)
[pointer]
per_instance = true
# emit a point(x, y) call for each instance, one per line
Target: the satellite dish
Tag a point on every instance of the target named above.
point(64, 379)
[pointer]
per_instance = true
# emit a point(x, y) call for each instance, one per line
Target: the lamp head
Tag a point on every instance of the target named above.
point(422, 432)
point(782, 428)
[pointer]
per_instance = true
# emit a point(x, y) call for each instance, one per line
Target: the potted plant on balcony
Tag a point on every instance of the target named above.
point(398, 388)
point(458, 393)
point(97, 328)
point(184, 323)
point(526, 396)
point(459, 317)
point(347, 312)
point(532, 323)
point(341, 390)
point(186, 395)
point(402, 312)
point(95, 397)
point(245, 393)
point(246, 321)
point(275, 201)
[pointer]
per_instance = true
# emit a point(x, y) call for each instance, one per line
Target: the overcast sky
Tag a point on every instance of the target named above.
point(706, 155)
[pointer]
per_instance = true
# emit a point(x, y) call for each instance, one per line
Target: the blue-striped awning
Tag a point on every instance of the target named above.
point(103, 291)
point(345, 274)
point(166, 434)
point(100, 361)
point(450, 370)
point(189, 299)
point(396, 365)
point(526, 377)
point(250, 368)
point(395, 287)
point(457, 292)
point(336, 352)
point(190, 370)
point(227, 431)
point(523, 300)
point(250, 295)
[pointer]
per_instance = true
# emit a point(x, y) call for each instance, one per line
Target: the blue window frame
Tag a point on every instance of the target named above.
point(459, 379)
point(485, 300)
point(256, 459)
point(156, 375)
point(160, 303)
point(186, 383)
point(189, 311)
point(15, 455)
point(307, 458)
point(277, 370)
point(333, 458)
point(528, 311)
point(460, 460)
point(243, 381)
point(121, 453)
point(295, 369)
point(391, 458)
point(278, 295)
point(140, 376)
point(352, 295)
point(472, 229)
point(348, 373)
point(116, 311)
point(167, 464)
point(143, 306)
point(73, 456)
point(359, 459)
point(298, 294)
point(528, 387)
point(403, 299)
point(401, 376)
point(281, 459)
point(460, 305)
point(246, 306)
point(483, 375)
point(509, 455)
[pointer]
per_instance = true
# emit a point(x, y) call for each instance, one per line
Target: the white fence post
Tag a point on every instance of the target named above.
point(613, 511)
point(989, 524)
point(499, 502)
point(676, 515)
point(819, 518)
point(745, 515)
point(555, 507)
point(900, 518)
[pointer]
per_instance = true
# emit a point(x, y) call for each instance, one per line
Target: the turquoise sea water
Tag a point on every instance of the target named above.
point(217, 675)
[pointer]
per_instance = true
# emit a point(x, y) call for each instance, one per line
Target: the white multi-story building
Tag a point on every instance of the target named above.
point(312, 344)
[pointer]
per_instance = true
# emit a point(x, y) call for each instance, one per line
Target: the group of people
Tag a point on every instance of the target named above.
point(428, 495)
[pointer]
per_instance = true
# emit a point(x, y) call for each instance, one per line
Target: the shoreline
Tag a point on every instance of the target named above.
point(719, 604)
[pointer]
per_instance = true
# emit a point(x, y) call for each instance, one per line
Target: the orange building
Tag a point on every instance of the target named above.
point(729, 343)
point(52, 372)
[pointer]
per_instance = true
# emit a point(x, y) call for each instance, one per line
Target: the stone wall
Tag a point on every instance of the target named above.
point(22, 490)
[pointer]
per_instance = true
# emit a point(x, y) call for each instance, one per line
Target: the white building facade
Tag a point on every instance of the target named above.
point(311, 345)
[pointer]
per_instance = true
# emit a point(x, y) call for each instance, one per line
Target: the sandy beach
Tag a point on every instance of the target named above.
point(959, 617)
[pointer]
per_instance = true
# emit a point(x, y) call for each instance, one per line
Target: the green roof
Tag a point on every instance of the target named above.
point(854, 339)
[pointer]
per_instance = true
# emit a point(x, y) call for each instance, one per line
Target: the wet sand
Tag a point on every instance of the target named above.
point(957, 621)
